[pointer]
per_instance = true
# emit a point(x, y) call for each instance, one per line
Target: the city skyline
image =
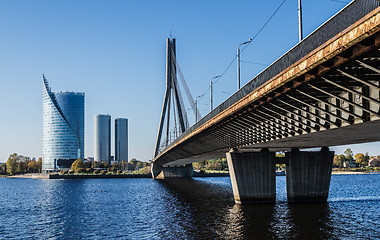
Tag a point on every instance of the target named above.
point(115, 52)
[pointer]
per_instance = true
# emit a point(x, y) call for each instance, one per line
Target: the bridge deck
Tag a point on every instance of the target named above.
point(323, 92)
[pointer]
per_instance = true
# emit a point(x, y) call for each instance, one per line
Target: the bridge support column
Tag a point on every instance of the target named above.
point(308, 175)
point(160, 172)
point(253, 176)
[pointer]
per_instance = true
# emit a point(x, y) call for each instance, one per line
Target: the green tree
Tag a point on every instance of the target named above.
point(349, 154)
point(218, 165)
point(39, 164)
point(114, 167)
point(342, 157)
point(133, 162)
point(139, 165)
point(366, 156)
point(2, 169)
point(210, 165)
point(123, 165)
point(87, 164)
point(338, 161)
point(12, 164)
point(224, 163)
point(361, 159)
point(199, 165)
point(78, 165)
point(33, 166)
point(95, 164)
point(23, 164)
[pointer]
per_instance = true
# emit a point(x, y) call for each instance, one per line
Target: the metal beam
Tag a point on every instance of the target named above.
point(297, 114)
point(352, 91)
point(318, 108)
point(330, 104)
point(285, 122)
point(307, 129)
point(343, 99)
point(359, 80)
point(368, 66)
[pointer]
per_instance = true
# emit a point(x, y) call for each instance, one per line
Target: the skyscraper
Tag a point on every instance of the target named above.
point(62, 128)
point(102, 138)
point(121, 139)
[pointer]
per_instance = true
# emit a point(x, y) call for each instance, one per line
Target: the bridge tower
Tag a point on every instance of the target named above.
point(172, 101)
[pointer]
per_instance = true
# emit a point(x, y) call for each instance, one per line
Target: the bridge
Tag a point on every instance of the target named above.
point(323, 92)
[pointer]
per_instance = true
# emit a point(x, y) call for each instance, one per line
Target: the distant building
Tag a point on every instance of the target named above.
point(62, 128)
point(121, 139)
point(90, 159)
point(102, 138)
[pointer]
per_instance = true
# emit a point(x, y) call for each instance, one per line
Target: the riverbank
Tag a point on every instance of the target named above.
point(78, 176)
point(131, 175)
point(96, 176)
point(352, 173)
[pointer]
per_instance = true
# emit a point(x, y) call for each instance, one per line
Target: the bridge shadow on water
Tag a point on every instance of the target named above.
point(210, 212)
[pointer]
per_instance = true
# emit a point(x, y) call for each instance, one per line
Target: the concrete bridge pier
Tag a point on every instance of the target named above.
point(253, 176)
point(308, 175)
point(160, 172)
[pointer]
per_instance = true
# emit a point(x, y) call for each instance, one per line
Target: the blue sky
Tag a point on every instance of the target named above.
point(114, 51)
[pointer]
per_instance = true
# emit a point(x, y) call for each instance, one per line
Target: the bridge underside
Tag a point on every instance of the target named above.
point(329, 97)
point(363, 133)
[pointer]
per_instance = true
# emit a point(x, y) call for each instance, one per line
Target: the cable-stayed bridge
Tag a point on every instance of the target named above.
point(324, 92)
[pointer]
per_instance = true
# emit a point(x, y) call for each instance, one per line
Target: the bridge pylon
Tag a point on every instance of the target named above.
point(172, 92)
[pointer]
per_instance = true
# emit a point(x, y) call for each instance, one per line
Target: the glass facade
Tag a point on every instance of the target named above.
point(121, 139)
point(62, 128)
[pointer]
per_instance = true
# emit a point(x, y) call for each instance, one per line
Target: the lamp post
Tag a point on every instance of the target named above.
point(196, 107)
point(238, 62)
point(300, 20)
point(211, 107)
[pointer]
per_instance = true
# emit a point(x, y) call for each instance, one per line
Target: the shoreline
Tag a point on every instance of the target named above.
point(99, 176)
point(351, 173)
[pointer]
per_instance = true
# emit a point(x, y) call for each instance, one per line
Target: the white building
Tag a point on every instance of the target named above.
point(102, 138)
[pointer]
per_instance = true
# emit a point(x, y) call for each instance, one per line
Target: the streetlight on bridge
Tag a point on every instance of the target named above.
point(238, 61)
point(216, 77)
point(196, 107)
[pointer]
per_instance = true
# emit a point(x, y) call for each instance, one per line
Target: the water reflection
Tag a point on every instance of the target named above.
point(213, 213)
point(202, 208)
point(310, 221)
point(210, 209)
point(62, 208)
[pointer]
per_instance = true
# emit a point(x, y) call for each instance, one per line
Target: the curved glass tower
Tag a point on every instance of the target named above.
point(62, 128)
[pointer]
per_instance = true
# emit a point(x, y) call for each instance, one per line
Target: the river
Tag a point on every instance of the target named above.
point(201, 208)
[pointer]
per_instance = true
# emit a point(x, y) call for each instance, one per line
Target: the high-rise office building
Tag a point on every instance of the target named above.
point(102, 138)
point(62, 128)
point(121, 139)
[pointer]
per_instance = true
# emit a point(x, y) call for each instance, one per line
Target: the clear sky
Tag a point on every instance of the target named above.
point(114, 51)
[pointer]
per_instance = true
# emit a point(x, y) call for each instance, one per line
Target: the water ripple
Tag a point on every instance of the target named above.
point(201, 208)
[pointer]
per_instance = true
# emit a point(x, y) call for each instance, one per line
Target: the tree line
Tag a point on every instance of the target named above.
point(348, 159)
point(21, 164)
point(214, 164)
point(79, 166)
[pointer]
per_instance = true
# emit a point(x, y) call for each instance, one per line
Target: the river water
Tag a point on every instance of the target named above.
point(201, 208)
